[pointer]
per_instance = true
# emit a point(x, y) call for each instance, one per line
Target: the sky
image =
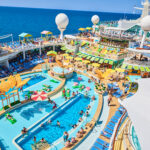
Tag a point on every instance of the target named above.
point(123, 6)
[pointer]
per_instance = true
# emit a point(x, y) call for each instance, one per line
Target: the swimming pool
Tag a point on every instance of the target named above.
point(67, 117)
point(60, 70)
point(27, 114)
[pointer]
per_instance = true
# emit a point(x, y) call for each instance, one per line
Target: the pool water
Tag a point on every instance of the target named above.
point(135, 139)
point(25, 115)
point(67, 118)
point(60, 70)
point(134, 78)
point(34, 79)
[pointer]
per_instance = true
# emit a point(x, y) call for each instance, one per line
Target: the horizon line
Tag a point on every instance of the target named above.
point(71, 10)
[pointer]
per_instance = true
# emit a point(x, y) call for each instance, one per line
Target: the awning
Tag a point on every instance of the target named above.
point(79, 53)
point(97, 59)
point(136, 68)
point(81, 29)
point(129, 67)
point(142, 68)
point(111, 62)
point(101, 61)
point(89, 57)
point(147, 69)
point(106, 61)
point(46, 32)
point(23, 35)
point(63, 48)
point(124, 66)
point(93, 58)
point(51, 53)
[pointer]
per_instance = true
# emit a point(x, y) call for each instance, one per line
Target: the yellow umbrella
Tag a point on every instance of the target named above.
point(78, 58)
point(69, 57)
point(95, 65)
point(66, 61)
point(120, 69)
point(88, 28)
point(81, 29)
point(86, 61)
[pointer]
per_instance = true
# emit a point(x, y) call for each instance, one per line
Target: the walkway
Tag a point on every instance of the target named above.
point(89, 141)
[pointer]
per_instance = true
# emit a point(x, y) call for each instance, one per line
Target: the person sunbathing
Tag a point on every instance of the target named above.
point(79, 135)
point(73, 140)
point(68, 143)
point(82, 131)
point(10, 117)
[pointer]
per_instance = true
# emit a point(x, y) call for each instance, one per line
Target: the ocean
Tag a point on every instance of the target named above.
point(15, 20)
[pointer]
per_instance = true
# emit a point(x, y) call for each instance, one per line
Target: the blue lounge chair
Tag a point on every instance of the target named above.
point(111, 124)
point(113, 120)
point(102, 142)
point(99, 146)
point(94, 148)
point(106, 135)
point(110, 127)
point(108, 131)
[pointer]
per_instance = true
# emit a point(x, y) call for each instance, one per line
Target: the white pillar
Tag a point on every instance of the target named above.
point(7, 63)
point(24, 55)
point(40, 48)
point(53, 47)
point(143, 39)
point(40, 51)
point(61, 35)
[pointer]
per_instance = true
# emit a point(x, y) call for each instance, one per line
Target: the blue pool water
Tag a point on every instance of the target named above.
point(134, 78)
point(67, 118)
point(60, 70)
point(34, 79)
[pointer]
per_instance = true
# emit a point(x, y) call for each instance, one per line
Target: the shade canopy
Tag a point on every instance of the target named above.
point(51, 53)
point(23, 35)
point(138, 107)
point(46, 32)
point(81, 29)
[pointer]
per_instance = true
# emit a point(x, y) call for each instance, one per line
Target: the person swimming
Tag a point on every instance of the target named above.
point(24, 131)
point(73, 94)
point(88, 107)
point(74, 125)
point(93, 98)
point(8, 116)
point(80, 119)
point(87, 114)
point(81, 112)
point(65, 136)
point(58, 123)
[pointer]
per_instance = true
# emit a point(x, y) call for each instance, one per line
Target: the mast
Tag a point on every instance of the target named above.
point(145, 9)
